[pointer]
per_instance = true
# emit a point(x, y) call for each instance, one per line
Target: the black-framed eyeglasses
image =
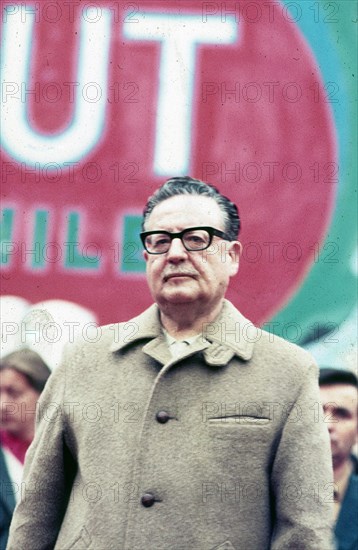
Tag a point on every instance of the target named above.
point(193, 239)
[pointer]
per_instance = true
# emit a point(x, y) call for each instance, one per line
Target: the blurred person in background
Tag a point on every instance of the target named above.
point(23, 375)
point(338, 390)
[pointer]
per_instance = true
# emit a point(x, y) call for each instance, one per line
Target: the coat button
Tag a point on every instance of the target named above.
point(147, 500)
point(162, 417)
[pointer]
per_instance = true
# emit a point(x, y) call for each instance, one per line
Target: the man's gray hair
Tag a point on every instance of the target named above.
point(189, 186)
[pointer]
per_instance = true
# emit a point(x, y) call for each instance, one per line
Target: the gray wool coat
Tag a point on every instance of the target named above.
point(238, 457)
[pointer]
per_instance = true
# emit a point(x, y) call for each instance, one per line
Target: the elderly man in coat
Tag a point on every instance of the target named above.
point(185, 428)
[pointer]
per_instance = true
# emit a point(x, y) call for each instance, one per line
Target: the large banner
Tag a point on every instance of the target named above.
point(103, 101)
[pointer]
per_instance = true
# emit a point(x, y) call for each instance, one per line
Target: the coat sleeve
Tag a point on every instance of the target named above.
point(48, 474)
point(302, 477)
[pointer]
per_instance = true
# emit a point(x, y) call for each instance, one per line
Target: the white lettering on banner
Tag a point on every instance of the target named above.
point(179, 36)
point(18, 138)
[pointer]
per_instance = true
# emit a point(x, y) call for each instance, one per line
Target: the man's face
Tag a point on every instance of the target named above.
point(339, 403)
point(18, 403)
point(196, 277)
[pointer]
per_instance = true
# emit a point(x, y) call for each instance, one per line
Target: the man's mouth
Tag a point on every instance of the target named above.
point(179, 274)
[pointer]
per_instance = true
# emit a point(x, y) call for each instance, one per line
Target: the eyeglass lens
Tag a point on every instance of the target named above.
point(198, 239)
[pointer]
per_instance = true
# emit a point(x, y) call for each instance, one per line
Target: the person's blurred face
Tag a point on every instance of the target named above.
point(190, 277)
point(339, 403)
point(17, 404)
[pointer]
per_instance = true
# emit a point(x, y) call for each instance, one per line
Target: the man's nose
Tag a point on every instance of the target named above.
point(331, 422)
point(177, 250)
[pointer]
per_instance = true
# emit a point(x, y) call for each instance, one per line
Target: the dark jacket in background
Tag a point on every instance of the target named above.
point(7, 501)
point(346, 529)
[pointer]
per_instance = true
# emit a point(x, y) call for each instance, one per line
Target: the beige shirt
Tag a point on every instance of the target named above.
point(178, 348)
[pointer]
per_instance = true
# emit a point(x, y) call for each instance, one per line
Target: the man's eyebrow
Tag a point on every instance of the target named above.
point(338, 409)
point(10, 389)
point(343, 410)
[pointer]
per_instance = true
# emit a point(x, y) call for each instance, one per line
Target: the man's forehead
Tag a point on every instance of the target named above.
point(341, 394)
point(186, 211)
point(11, 377)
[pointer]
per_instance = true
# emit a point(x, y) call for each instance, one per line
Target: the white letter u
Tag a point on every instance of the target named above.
point(18, 138)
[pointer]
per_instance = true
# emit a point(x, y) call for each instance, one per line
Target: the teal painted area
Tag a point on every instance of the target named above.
point(132, 249)
point(328, 295)
point(40, 238)
point(320, 25)
point(75, 258)
point(6, 231)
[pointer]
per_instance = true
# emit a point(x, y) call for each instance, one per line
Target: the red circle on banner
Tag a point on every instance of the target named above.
point(261, 130)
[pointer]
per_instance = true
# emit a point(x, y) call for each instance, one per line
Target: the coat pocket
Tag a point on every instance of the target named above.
point(239, 420)
point(243, 430)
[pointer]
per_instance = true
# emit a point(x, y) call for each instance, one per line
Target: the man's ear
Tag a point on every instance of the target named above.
point(145, 255)
point(234, 252)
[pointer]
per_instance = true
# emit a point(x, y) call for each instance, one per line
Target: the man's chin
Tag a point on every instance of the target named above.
point(178, 296)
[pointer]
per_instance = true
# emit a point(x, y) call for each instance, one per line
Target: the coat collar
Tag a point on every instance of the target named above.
point(230, 334)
